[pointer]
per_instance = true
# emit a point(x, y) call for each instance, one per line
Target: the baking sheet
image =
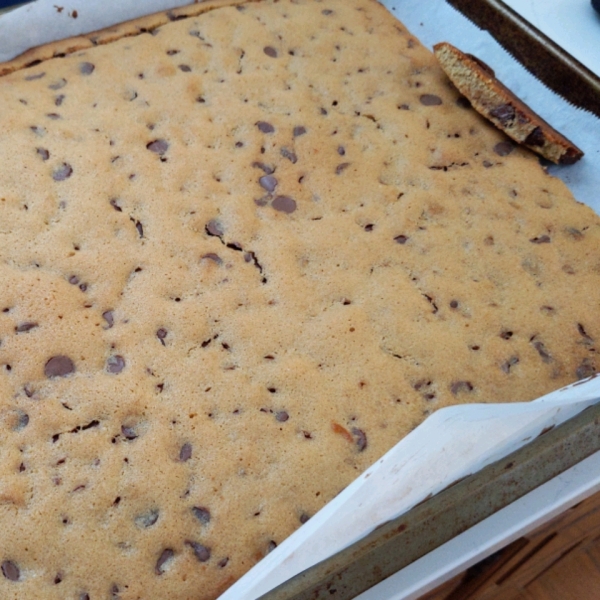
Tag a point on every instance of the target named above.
point(453, 442)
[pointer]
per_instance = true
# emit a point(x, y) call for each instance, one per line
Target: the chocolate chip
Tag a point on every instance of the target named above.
point(461, 386)
point(115, 364)
point(503, 148)
point(186, 453)
point(453, 303)
point(158, 146)
point(535, 138)
point(542, 239)
point(147, 519)
point(361, 438)
point(57, 85)
point(270, 51)
point(86, 68)
point(483, 65)
point(326, 12)
point(223, 562)
point(272, 545)
point(265, 127)
point(59, 366)
point(268, 182)
point(63, 172)
point(108, 316)
point(504, 113)
point(165, 556)
point(291, 156)
point(185, 68)
point(299, 130)
point(214, 227)
point(585, 369)
point(511, 362)
point(43, 153)
point(201, 552)
point(161, 334)
point(304, 518)
point(22, 420)
point(430, 100)
point(369, 227)
point(341, 150)
point(266, 168)
point(202, 514)
point(36, 76)
point(401, 239)
point(212, 256)
point(282, 416)
point(463, 102)
point(570, 157)
point(505, 334)
point(129, 433)
point(542, 351)
point(53, 116)
point(73, 280)
point(10, 570)
point(84, 596)
point(24, 327)
point(284, 204)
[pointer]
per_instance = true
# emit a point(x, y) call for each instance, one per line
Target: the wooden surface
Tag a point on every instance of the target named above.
point(559, 561)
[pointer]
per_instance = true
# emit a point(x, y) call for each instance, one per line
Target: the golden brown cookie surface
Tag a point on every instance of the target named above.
point(241, 257)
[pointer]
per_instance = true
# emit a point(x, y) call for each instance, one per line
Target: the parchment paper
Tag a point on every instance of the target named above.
point(454, 441)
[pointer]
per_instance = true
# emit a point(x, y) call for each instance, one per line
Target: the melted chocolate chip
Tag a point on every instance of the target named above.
point(511, 362)
point(202, 514)
point(535, 138)
point(284, 204)
point(57, 85)
point(503, 148)
point(185, 68)
point(361, 438)
point(185, 453)
point(291, 156)
point(585, 369)
point(542, 239)
point(282, 416)
point(299, 130)
point(201, 552)
point(24, 327)
point(59, 366)
point(129, 433)
point(266, 168)
point(570, 157)
point(158, 146)
point(212, 256)
point(430, 100)
point(108, 316)
point(270, 51)
point(43, 153)
point(11, 571)
point(63, 172)
point(542, 351)
point(504, 113)
point(115, 364)
point(214, 227)
point(161, 334)
point(461, 386)
point(36, 76)
point(86, 68)
point(268, 182)
point(147, 519)
point(265, 127)
point(165, 556)
point(341, 168)
point(401, 239)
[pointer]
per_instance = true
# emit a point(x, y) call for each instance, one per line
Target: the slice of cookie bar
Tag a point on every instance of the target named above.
point(244, 250)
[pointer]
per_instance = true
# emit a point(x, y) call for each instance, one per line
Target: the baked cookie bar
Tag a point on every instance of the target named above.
point(246, 247)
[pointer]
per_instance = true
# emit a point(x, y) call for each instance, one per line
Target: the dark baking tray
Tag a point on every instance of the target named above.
point(399, 542)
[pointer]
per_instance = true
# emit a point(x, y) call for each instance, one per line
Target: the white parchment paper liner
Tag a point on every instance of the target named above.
point(454, 441)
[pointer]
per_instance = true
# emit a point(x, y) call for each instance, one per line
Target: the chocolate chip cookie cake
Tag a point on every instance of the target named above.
point(246, 247)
